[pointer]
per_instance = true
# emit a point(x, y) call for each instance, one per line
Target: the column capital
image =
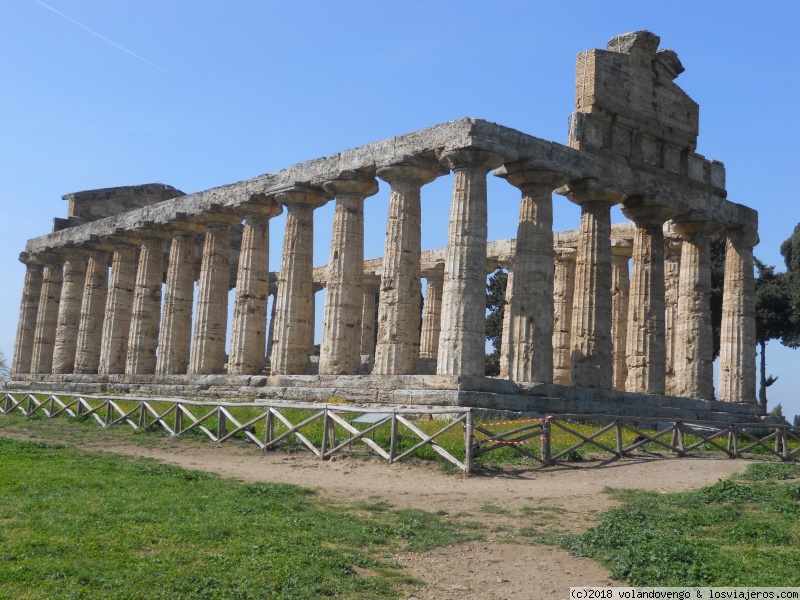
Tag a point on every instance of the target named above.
point(470, 158)
point(261, 205)
point(352, 183)
point(742, 235)
point(185, 225)
point(644, 213)
point(31, 261)
point(420, 170)
point(371, 280)
point(97, 246)
point(523, 175)
point(621, 248)
point(150, 231)
point(565, 254)
point(589, 190)
point(299, 194)
point(122, 238)
point(689, 229)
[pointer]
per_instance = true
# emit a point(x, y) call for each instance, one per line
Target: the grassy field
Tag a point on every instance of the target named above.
point(92, 525)
point(737, 532)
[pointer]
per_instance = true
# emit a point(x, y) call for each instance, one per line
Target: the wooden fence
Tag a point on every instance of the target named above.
point(451, 432)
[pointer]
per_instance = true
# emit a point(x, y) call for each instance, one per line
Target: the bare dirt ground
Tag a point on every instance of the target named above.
point(512, 502)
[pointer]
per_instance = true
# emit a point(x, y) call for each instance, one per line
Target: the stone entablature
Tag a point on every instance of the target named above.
point(574, 314)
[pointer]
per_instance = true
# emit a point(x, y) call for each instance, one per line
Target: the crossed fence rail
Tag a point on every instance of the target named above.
point(329, 429)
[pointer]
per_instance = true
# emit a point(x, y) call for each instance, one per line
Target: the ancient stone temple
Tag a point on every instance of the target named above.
point(130, 292)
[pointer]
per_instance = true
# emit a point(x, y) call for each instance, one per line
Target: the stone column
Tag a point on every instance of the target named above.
point(646, 347)
point(28, 309)
point(176, 320)
point(119, 303)
point(591, 355)
point(463, 337)
point(294, 301)
point(271, 329)
point(694, 342)
point(506, 339)
point(69, 311)
point(369, 315)
point(397, 347)
point(340, 352)
point(431, 320)
point(620, 290)
point(737, 370)
point(248, 334)
point(211, 325)
point(312, 321)
point(529, 300)
point(47, 316)
point(563, 294)
point(95, 293)
point(672, 257)
point(146, 311)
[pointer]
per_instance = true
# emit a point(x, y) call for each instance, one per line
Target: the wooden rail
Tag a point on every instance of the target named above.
point(328, 429)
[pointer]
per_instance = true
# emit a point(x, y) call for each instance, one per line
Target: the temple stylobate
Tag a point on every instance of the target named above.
point(602, 319)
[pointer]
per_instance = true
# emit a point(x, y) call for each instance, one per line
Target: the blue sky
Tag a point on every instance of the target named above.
point(201, 93)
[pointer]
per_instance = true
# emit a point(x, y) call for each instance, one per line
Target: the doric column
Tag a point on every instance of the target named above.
point(737, 369)
point(176, 319)
point(340, 352)
point(312, 320)
point(294, 301)
point(211, 325)
point(620, 291)
point(28, 309)
point(591, 313)
point(119, 303)
point(530, 300)
point(95, 293)
point(369, 315)
point(397, 347)
point(432, 317)
point(694, 342)
point(271, 328)
point(463, 336)
point(248, 333)
point(506, 339)
point(646, 347)
point(672, 258)
point(47, 316)
point(146, 311)
point(69, 311)
point(563, 294)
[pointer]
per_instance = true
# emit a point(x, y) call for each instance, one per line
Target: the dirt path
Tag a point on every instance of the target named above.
point(512, 502)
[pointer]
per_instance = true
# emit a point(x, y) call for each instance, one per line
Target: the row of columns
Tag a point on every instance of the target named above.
point(562, 326)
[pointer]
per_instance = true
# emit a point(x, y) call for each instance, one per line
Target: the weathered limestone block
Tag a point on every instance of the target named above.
point(672, 258)
point(146, 310)
point(646, 345)
point(737, 369)
point(463, 322)
point(397, 347)
point(620, 293)
point(248, 334)
point(95, 294)
point(47, 315)
point(530, 300)
point(119, 305)
point(432, 317)
point(26, 328)
point(563, 295)
point(211, 325)
point(369, 317)
point(591, 313)
point(340, 352)
point(69, 311)
point(694, 343)
point(294, 312)
point(176, 320)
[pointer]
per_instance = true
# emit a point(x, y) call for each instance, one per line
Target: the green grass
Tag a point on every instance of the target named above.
point(94, 525)
point(736, 532)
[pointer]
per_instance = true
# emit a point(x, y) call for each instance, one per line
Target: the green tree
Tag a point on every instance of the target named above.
point(717, 248)
point(773, 318)
point(790, 250)
point(5, 369)
point(495, 303)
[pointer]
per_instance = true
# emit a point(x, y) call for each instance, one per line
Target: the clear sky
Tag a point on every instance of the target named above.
point(200, 93)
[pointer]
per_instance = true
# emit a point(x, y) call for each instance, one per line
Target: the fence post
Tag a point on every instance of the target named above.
point(325, 427)
point(393, 439)
point(681, 438)
point(178, 419)
point(618, 431)
point(544, 440)
point(107, 420)
point(469, 459)
point(269, 427)
point(222, 424)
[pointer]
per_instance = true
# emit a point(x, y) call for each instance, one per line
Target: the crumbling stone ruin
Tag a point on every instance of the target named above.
point(601, 319)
